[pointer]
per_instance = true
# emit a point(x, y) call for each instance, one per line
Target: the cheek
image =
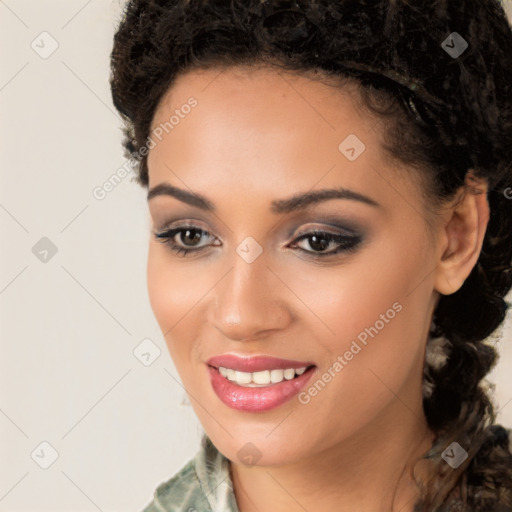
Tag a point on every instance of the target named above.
point(343, 300)
point(162, 285)
point(173, 287)
point(366, 313)
point(172, 293)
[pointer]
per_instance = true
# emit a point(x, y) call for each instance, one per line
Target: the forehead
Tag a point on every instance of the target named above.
point(263, 129)
point(265, 91)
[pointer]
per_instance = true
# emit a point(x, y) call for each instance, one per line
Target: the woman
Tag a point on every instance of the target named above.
point(329, 187)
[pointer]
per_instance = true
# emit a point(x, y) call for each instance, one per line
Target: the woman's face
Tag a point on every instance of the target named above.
point(358, 308)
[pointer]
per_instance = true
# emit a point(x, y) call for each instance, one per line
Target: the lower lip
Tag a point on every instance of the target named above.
point(257, 399)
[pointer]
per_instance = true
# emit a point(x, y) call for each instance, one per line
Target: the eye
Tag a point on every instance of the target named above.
point(318, 240)
point(186, 233)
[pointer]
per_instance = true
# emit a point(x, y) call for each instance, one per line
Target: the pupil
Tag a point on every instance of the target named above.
point(192, 231)
point(319, 246)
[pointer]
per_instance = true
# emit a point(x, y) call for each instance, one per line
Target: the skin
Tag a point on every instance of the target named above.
point(259, 136)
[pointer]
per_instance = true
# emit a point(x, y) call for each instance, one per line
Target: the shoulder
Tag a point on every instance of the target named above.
point(202, 485)
point(178, 494)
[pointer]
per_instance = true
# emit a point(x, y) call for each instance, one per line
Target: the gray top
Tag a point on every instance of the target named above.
point(202, 485)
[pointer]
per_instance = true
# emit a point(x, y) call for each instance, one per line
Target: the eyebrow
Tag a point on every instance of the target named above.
point(280, 206)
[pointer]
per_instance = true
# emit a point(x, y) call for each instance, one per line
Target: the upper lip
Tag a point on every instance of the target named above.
point(251, 364)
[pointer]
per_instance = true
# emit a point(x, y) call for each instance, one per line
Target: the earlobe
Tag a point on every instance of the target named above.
point(462, 234)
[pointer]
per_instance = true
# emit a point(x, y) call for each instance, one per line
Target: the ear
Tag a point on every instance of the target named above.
point(462, 233)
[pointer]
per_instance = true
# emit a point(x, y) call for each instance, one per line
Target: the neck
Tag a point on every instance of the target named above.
point(370, 470)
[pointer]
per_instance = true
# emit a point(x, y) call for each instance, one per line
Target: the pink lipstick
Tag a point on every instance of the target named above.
point(257, 383)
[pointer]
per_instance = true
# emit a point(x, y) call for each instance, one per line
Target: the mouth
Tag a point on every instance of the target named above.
point(250, 363)
point(256, 391)
point(262, 378)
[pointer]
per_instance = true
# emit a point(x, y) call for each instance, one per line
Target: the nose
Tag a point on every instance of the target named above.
point(249, 302)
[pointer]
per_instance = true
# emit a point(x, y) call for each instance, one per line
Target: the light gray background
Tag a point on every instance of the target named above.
point(69, 326)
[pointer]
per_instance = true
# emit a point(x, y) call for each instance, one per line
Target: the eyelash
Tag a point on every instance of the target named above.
point(348, 244)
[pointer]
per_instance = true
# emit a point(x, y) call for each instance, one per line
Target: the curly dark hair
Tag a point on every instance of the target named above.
point(446, 114)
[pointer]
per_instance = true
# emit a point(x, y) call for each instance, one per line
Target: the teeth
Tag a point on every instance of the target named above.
point(262, 378)
point(276, 376)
